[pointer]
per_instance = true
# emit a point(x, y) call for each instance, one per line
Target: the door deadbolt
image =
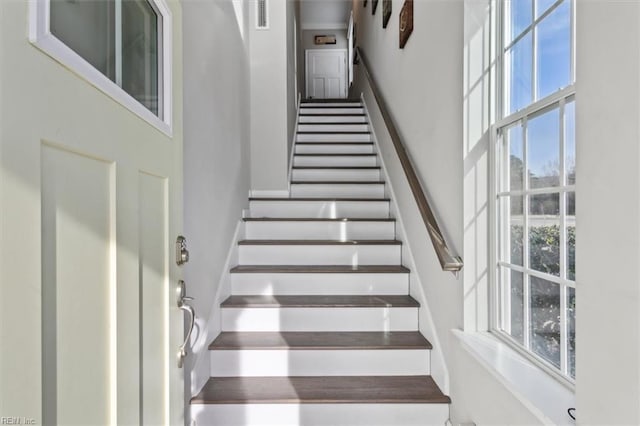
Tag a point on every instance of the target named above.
point(182, 254)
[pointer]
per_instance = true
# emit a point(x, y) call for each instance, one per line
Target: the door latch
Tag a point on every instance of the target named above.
point(182, 254)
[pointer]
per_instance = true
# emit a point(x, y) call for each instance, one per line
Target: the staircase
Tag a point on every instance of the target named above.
point(320, 329)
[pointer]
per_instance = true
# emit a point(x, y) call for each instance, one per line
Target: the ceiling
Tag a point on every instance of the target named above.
point(325, 14)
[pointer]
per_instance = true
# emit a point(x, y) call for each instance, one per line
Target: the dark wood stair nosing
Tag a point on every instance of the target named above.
point(340, 340)
point(348, 199)
point(319, 269)
point(336, 167)
point(338, 182)
point(321, 390)
point(319, 301)
point(251, 242)
point(317, 219)
point(336, 155)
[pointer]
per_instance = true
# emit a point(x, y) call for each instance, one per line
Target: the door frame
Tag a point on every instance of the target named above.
point(306, 68)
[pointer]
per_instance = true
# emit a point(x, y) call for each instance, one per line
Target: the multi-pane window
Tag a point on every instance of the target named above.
point(120, 38)
point(535, 203)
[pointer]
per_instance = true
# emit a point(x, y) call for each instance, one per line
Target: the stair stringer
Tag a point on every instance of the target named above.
point(205, 332)
point(426, 325)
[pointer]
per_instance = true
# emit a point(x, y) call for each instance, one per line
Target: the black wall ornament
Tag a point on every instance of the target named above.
point(386, 12)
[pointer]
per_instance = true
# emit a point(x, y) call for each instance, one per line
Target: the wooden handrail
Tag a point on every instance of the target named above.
point(448, 260)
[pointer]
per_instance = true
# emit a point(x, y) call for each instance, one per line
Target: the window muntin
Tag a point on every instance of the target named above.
point(535, 182)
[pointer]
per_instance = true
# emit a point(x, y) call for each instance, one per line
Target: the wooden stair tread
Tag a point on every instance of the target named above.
point(320, 269)
point(335, 155)
point(335, 123)
point(364, 301)
point(303, 106)
point(321, 390)
point(346, 114)
point(315, 199)
point(316, 219)
point(320, 340)
point(330, 101)
point(337, 182)
point(336, 143)
point(336, 167)
point(318, 242)
point(333, 132)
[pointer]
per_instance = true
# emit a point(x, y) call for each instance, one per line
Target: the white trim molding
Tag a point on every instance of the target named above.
point(41, 37)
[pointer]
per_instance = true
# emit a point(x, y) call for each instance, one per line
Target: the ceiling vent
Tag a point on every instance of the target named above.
point(262, 15)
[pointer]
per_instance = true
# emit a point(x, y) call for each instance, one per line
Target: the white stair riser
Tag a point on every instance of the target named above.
point(320, 230)
point(335, 161)
point(319, 284)
point(333, 137)
point(333, 127)
point(346, 175)
point(368, 190)
point(320, 319)
point(337, 110)
point(320, 254)
point(333, 148)
point(385, 362)
point(306, 105)
point(320, 414)
point(319, 209)
point(332, 119)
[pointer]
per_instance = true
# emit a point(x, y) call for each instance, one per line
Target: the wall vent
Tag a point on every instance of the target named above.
point(262, 14)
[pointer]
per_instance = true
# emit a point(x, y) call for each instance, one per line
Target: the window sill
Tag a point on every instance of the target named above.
point(542, 394)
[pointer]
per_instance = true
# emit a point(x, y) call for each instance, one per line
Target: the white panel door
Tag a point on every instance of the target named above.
point(90, 205)
point(326, 73)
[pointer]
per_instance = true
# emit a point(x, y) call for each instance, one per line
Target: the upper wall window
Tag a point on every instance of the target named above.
point(538, 50)
point(125, 41)
point(535, 182)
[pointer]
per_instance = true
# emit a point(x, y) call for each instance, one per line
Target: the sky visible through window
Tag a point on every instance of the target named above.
point(548, 46)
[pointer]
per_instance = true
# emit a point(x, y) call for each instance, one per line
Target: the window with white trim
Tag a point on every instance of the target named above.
point(120, 46)
point(535, 182)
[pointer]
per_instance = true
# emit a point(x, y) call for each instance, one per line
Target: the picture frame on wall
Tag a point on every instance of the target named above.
point(386, 12)
point(406, 22)
point(374, 6)
point(324, 39)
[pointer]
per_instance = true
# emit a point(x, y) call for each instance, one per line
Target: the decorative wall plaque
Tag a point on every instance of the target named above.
point(406, 22)
point(324, 39)
point(374, 6)
point(386, 12)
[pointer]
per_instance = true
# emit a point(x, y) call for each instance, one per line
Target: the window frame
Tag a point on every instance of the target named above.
point(41, 37)
point(558, 100)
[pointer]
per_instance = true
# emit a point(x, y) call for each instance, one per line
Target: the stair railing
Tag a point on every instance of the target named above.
point(448, 260)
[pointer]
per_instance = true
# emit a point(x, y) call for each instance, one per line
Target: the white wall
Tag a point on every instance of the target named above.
point(325, 13)
point(608, 212)
point(424, 96)
point(269, 99)
point(216, 156)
